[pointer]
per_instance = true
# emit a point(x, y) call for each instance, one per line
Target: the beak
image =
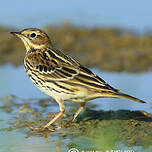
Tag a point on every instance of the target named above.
point(17, 34)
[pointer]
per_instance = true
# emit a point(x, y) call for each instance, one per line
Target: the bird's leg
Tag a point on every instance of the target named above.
point(79, 110)
point(62, 110)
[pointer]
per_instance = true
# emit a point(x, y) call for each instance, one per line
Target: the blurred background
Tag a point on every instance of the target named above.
point(113, 38)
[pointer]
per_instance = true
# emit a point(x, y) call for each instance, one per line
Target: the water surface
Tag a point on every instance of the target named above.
point(129, 14)
point(14, 81)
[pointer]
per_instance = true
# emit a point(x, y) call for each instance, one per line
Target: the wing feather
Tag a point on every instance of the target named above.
point(58, 67)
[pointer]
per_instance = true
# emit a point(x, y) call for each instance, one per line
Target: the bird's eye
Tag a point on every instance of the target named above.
point(32, 35)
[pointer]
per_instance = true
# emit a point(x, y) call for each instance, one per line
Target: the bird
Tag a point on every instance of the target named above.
point(61, 76)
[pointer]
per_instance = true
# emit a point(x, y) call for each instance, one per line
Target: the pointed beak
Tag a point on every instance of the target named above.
point(17, 34)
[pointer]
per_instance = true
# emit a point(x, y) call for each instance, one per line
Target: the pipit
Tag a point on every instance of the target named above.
point(61, 76)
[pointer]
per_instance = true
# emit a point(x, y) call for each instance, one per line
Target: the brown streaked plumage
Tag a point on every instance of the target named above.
point(60, 76)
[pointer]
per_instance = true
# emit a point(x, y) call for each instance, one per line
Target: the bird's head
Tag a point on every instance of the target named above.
point(33, 38)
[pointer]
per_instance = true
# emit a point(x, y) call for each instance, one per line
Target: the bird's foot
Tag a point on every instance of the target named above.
point(69, 123)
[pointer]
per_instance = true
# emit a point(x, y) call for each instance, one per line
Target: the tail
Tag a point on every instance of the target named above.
point(126, 96)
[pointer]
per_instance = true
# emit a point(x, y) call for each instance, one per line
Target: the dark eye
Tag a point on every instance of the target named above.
point(33, 35)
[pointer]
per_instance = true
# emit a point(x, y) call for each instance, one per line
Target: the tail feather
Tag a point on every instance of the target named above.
point(126, 96)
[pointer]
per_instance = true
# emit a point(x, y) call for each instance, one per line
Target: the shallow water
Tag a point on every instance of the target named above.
point(13, 81)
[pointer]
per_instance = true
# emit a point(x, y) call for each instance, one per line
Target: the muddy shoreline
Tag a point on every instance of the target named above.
point(121, 125)
point(106, 48)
